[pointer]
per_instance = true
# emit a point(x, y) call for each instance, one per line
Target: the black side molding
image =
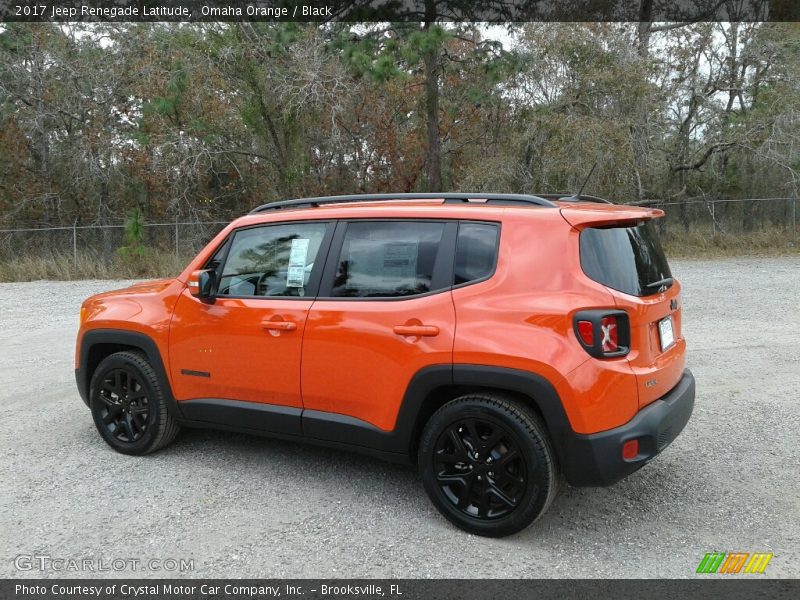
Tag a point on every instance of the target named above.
point(255, 416)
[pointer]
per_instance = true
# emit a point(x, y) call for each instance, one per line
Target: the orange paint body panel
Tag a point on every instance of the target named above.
point(523, 319)
point(656, 371)
point(232, 343)
point(144, 308)
point(354, 363)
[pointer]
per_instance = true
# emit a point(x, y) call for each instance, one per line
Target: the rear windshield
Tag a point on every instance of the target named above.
point(624, 258)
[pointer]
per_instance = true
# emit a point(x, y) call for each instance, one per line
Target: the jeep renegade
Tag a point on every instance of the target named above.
point(498, 341)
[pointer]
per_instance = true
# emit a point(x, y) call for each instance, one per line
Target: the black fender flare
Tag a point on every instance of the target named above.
point(536, 388)
point(132, 339)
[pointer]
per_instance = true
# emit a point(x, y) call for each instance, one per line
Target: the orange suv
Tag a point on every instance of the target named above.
point(495, 340)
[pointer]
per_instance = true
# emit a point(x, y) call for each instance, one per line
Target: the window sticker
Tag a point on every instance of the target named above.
point(296, 272)
point(375, 265)
point(400, 260)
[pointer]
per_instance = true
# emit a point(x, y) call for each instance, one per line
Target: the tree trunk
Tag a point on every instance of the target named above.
point(434, 152)
point(644, 28)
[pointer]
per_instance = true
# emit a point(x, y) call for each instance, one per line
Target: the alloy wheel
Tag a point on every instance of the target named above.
point(125, 408)
point(480, 468)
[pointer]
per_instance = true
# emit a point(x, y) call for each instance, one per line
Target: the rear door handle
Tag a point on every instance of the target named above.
point(278, 325)
point(417, 330)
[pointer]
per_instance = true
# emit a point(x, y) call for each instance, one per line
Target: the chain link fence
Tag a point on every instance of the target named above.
point(100, 244)
point(714, 217)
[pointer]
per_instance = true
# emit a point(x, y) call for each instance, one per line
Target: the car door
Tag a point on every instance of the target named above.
point(244, 346)
point(384, 312)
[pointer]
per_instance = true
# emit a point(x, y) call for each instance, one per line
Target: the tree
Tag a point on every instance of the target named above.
point(416, 43)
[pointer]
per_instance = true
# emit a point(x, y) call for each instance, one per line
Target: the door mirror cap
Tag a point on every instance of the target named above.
point(202, 284)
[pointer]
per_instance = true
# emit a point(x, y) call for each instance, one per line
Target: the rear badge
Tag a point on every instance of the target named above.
point(650, 383)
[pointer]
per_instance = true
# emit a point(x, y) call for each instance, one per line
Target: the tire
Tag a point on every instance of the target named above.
point(128, 405)
point(487, 464)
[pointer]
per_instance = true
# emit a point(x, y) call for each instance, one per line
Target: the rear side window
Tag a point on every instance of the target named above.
point(476, 252)
point(274, 260)
point(387, 259)
point(624, 258)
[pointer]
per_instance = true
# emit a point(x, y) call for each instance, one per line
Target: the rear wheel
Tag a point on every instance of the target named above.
point(487, 464)
point(128, 405)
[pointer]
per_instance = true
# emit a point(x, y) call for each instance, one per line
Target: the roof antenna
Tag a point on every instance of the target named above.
point(577, 196)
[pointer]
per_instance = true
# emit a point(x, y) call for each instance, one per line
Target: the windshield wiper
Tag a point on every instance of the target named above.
point(666, 282)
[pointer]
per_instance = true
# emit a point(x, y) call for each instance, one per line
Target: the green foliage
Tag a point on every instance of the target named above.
point(167, 105)
point(134, 255)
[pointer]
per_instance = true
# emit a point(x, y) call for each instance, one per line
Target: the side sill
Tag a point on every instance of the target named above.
point(385, 455)
point(343, 429)
point(290, 423)
point(269, 418)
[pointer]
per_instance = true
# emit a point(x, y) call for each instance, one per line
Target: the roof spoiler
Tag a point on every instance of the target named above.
point(582, 217)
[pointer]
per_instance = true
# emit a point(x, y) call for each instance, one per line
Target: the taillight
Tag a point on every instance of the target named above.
point(603, 333)
point(586, 332)
point(610, 332)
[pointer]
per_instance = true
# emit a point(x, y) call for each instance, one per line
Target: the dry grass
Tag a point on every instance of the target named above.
point(698, 244)
point(62, 266)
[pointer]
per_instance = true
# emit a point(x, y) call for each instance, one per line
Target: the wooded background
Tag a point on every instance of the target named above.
point(204, 121)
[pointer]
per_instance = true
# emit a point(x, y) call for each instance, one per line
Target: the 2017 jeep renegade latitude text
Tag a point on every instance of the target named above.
point(495, 340)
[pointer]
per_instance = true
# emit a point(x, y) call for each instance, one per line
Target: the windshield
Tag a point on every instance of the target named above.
point(624, 258)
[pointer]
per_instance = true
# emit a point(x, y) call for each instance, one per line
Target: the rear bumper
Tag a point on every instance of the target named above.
point(596, 459)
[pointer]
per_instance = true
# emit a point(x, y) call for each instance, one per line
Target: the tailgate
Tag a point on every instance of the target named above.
point(657, 365)
point(625, 255)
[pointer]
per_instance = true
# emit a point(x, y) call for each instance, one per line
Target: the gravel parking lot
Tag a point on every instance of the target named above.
point(243, 506)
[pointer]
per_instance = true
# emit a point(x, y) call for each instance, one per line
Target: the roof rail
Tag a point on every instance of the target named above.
point(567, 197)
point(450, 197)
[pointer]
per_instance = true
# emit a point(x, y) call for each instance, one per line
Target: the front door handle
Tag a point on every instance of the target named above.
point(417, 330)
point(278, 325)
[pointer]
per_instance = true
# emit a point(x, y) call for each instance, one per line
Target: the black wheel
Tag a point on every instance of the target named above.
point(487, 464)
point(128, 405)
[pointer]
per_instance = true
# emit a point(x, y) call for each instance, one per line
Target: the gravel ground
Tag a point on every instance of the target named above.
point(243, 506)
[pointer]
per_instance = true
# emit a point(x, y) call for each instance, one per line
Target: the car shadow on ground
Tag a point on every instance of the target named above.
point(646, 497)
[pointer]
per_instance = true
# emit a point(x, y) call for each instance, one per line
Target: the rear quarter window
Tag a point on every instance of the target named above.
point(626, 259)
point(476, 252)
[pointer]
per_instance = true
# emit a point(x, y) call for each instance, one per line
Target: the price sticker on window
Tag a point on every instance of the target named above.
point(296, 272)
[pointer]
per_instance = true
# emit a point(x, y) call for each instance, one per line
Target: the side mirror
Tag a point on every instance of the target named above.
point(202, 284)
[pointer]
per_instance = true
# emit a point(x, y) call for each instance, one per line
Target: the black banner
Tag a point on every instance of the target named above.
point(727, 587)
point(398, 10)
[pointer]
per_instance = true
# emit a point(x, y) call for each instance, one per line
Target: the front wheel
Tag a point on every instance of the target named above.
point(487, 464)
point(128, 405)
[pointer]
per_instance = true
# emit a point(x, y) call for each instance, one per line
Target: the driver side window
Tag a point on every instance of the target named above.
point(272, 260)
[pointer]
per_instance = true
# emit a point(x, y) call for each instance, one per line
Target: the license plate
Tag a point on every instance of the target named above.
point(665, 333)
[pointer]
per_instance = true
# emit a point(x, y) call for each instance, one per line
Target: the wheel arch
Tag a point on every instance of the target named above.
point(97, 344)
point(431, 389)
